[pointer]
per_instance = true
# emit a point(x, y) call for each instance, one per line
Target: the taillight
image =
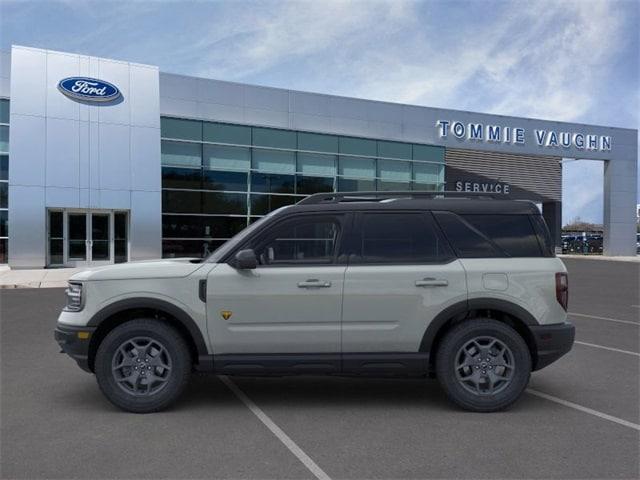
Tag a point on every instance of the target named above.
point(562, 289)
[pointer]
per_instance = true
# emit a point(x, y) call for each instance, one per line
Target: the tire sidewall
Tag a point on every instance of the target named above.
point(457, 338)
point(176, 348)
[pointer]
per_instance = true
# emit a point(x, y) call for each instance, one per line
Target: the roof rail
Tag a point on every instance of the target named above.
point(337, 197)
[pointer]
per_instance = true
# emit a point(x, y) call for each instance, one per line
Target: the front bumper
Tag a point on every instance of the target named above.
point(552, 342)
point(75, 341)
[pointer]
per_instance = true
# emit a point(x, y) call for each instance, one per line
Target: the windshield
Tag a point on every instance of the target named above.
point(238, 238)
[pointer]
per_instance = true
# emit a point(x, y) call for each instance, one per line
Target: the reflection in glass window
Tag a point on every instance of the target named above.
point(353, 185)
point(317, 142)
point(4, 139)
point(180, 153)
point(4, 195)
point(275, 138)
point(4, 111)
point(216, 180)
point(216, 202)
point(176, 201)
point(310, 185)
point(263, 204)
point(182, 129)
point(357, 167)
point(225, 133)
point(270, 183)
point(190, 178)
point(4, 167)
point(394, 150)
point(4, 217)
point(274, 161)
point(391, 170)
point(300, 241)
point(401, 237)
point(428, 173)
point(227, 158)
point(317, 164)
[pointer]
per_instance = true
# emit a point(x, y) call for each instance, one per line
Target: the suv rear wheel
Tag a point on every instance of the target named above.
point(483, 365)
point(143, 365)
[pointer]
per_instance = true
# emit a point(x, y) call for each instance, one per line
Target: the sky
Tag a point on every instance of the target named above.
point(558, 60)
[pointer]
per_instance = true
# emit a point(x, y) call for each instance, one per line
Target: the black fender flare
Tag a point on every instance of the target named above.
point(462, 308)
point(156, 304)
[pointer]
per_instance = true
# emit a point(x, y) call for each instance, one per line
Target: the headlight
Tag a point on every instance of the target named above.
point(74, 297)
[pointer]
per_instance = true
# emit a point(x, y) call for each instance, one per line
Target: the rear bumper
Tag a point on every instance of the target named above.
point(552, 342)
point(74, 345)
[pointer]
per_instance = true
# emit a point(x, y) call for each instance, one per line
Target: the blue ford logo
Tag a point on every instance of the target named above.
point(89, 89)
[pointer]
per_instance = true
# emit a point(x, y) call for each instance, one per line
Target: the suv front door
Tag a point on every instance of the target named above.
point(290, 304)
point(401, 274)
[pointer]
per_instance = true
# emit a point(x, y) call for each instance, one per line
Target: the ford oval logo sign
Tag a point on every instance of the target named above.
point(89, 89)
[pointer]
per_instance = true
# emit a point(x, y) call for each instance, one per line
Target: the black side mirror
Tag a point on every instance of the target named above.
point(245, 260)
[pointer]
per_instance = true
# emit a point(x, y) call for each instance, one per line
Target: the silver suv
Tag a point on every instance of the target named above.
point(367, 284)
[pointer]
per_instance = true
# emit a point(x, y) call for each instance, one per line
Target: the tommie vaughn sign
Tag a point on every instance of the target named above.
point(88, 89)
point(479, 132)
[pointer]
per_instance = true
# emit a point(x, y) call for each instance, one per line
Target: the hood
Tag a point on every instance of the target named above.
point(164, 268)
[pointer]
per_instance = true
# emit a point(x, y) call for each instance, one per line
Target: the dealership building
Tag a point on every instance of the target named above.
point(105, 161)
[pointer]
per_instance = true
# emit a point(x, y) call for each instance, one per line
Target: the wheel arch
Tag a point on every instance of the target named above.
point(502, 310)
point(122, 311)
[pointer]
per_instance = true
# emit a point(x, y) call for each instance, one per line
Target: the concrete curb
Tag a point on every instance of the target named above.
point(601, 258)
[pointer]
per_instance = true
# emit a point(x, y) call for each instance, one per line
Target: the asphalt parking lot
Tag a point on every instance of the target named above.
point(579, 419)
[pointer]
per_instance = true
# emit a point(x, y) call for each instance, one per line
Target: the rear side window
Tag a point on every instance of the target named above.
point(465, 239)
point(401, 238)
point(544, 237)
point(513, 234)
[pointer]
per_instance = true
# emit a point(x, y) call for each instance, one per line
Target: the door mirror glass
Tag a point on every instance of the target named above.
point(245, 260)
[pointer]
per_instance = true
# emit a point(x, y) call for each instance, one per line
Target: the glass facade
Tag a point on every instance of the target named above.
point(4, 180)
point(217, 178)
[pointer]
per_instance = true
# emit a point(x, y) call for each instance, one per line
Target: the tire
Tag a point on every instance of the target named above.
point(143, 365)
point(471, 365)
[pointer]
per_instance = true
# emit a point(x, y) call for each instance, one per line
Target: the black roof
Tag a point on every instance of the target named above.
point(461, 203)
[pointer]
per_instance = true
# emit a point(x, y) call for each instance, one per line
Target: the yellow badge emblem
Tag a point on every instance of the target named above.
point(226, 314)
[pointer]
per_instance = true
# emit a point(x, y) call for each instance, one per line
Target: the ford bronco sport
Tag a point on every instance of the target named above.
point(368, 283)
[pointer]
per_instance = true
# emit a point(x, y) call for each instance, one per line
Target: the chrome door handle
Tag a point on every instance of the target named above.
point(431, 282)
point(314, 283)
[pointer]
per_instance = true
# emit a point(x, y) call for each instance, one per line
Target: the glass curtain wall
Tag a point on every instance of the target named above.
point(217, 178)
point(4, 181)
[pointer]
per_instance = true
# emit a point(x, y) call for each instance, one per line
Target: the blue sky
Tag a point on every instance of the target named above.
point(572, 61)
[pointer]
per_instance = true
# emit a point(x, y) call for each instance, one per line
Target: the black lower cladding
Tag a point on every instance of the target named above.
point(375, 364)
point(74, 346)
point(552, 342)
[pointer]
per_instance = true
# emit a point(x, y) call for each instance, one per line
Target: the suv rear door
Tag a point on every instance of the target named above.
point(291, 303)
point(401, 274)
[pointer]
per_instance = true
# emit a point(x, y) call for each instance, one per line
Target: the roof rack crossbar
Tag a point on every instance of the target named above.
point(337, 197)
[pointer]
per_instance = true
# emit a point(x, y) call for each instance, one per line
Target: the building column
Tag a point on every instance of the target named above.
point(620, 199)
point(552, 213)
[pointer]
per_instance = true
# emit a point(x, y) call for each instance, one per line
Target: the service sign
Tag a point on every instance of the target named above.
point(88, 89)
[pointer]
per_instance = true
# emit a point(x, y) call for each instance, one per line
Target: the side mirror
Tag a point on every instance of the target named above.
point(245, 260)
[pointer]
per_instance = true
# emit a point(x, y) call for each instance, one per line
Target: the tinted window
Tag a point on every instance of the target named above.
point(544, 237)
point(401, 238)
point(465, 239)
point(304, 240)
point(512, 233)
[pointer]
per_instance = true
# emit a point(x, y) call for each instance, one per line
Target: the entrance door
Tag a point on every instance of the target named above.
point(83, 238)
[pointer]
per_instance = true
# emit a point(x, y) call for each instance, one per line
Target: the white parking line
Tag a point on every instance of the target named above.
point(607, 348)
point(590, 411)
point(277, 431)
point(605, 318)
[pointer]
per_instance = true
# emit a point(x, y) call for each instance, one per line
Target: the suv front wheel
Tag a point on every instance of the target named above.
point(143, 365)
point(483, 365)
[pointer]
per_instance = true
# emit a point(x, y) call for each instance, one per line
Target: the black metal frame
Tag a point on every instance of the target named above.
point(373, 196)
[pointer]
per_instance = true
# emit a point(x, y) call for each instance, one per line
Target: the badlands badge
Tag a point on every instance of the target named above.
point(226, 314)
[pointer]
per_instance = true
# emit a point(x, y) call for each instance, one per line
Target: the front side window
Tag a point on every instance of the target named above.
point(401, 238)
point(308, 240)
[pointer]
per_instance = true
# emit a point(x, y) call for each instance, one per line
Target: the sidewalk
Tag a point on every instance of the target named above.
point(36, 278)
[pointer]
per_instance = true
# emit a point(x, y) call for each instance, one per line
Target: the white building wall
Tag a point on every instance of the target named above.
point(71, 154)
